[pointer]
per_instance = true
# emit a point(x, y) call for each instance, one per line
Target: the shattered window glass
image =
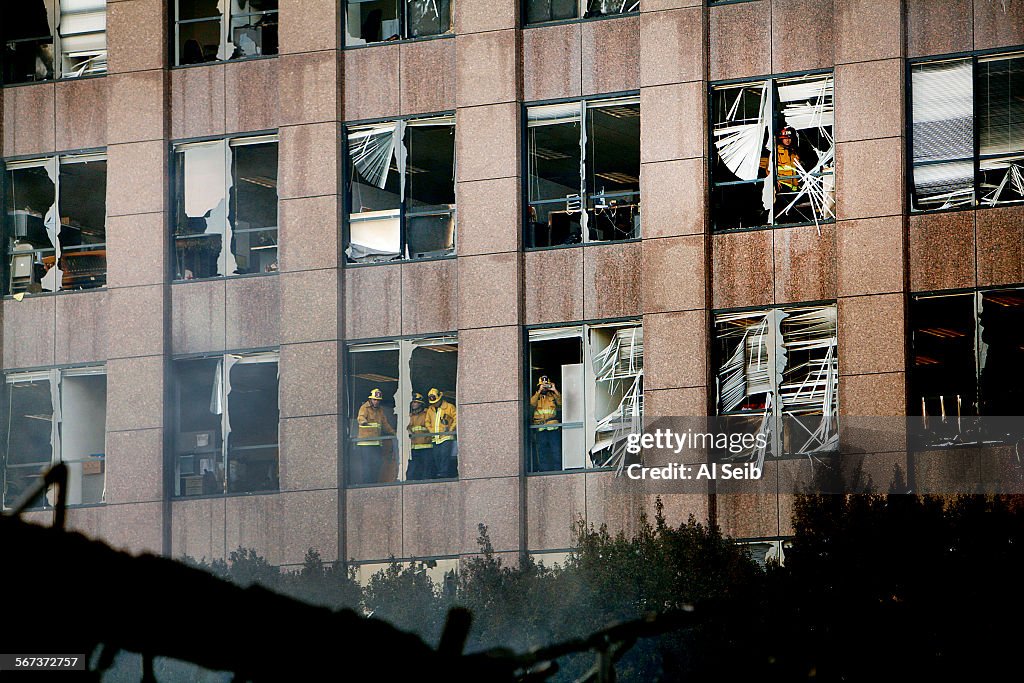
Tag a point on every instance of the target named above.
point(401, 190)
point(55, 416)
point(541, 11)
point(403, 399)
point(583, 181)
point(774, 153)
point(778, 376)
point(56, 224)
point(968, 132)
point(227, 424)
point(1000, 92)
point(374, 21)
point(966, 353)
point(226, 208)
point(46, 39)
point(585, 395)
point(214, 30)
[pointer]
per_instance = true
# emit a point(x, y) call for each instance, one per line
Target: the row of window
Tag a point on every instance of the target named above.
point(47, 39)
point(773, 164)
point(776, 374)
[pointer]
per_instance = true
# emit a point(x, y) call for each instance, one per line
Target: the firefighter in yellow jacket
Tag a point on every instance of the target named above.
point(442, 420)
point(372, 424)
point(546, 403)
point(422, 459)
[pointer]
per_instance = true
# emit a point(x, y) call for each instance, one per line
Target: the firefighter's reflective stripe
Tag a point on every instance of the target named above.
point(545, 415)
point(443, 421)
point(368, 430)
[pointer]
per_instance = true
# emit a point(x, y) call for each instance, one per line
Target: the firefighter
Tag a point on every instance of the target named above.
point(421, 462)
point(442, 421)
point(372, 424)
point(546, 403)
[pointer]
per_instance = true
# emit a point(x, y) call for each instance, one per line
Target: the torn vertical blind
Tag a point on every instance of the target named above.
point(942, 103)
point(618, 371)
point(781, 364)
point(810, 379)
point(807, 106)
point(1000, 82)
point(83, 37)
point(740, 142)
point(371, 149)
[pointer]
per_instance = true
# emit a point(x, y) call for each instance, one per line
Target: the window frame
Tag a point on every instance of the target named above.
point(225, 17)
point(771, 81)
point(926, 438)
point(266, 355)
point(55, 377)
point(405, 347)
point(59, 73)
point(581, 15)
point(628, 98)
point(403, 25)
point(53, 164)
point(590, 423)
point(776, 422)
point(348, 178)
point(974, 58)
point(228, 143)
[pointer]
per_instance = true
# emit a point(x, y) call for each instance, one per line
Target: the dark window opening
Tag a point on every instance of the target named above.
point(773, 153)
point(401, 190)
point(584, 182)
point(56, 224)
point(46, 39)
point(585, 395)
point(214, 30)
point(226, 196)
point(403, 399)
point(541, 11)
point(967, 352)
point(374, 21)
point(235, 395)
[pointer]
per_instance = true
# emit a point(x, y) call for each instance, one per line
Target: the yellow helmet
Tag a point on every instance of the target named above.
point(434, 395)
point(543, 380)
point(417, 396)
point(376, 393)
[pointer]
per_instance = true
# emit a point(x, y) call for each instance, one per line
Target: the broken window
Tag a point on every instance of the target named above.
point(585, 395)
point(767, 551)
point(778, 376)
point(968, 132)
point(227, 424)
point(584, 180)
point(55, 416)
point(56, 223)
point(46, 39)
point(214, 30)
point(226, 207)
point(967, 356)
point(403, 399)
point(401, 190)
point(441, 571)
point(774, 154)
point(373, 21)
point(541, 11)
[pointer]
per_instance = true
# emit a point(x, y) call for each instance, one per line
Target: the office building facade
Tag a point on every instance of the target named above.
point(226, 225)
